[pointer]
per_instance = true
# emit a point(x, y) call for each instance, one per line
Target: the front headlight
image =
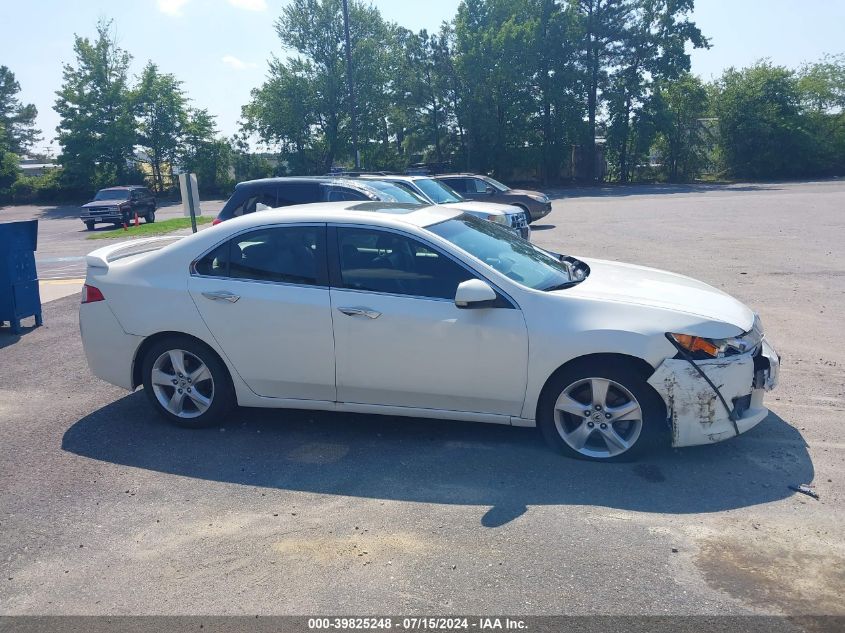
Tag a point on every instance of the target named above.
point(540, 197)
point(701, 347)
point(498, 218)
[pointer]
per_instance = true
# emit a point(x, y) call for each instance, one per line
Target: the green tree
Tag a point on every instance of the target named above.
point(822, 89)
point(161, 109)
point(284, 111)
point(9, 169)
point(17, 120)
point(822, 84)
point(761, 128)
point(204, 154)
point(683, 137)
point(493, 58)
point(303, 106)
point(653, 46)
point(603, 25)
point(96, 131)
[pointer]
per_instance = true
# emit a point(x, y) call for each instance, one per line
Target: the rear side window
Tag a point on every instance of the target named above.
point(458, 184)
point(248, 201)
point(281, 254)
point(215, 263)
point(297, 193)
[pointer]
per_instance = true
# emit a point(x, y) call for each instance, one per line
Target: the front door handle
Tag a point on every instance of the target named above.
point(365, 312)
point(221, 295)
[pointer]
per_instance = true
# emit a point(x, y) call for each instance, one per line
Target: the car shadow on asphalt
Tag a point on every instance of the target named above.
point(503, 470)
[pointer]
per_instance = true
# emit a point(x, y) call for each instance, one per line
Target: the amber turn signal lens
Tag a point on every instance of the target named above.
point(696, 344)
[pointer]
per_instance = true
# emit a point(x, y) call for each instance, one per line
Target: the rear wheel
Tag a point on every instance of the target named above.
point(150, 217)
point(601, 411)
point(187, 382)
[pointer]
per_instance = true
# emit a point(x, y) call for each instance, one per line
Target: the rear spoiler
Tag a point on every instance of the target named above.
point(103, 256)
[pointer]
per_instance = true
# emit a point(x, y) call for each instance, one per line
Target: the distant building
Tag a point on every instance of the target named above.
point(36, 166)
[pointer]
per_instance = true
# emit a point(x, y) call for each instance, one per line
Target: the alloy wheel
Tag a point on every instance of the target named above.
point(598, 417)
point(182, 383)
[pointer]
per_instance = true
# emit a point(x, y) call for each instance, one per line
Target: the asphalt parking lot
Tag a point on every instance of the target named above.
point(62, 237)
point(105, 509)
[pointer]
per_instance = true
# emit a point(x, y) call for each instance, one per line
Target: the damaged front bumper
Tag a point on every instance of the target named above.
point(696, 413)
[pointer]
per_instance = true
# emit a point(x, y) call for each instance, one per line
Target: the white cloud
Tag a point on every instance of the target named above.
point(249, 5)
point(171, 7)
point(233, 62)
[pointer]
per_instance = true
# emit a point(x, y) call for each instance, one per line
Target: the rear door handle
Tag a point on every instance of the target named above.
point(365, 312)
point(221, 295)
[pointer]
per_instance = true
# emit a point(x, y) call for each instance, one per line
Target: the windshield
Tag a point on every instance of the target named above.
point(437, 191)
point(496, 184)
point(112, 194)
point(502, 250)
point(388, 192)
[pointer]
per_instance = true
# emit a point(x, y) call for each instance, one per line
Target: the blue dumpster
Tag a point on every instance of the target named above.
point(19, 296)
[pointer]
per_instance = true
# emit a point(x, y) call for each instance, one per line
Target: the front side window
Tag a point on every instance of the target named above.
point(381, 261)
point(437, 191)
point(500, 249)
point(280, 254)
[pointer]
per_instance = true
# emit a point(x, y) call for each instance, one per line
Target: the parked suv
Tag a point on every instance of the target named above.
point(118, 206)
point(436, 192)
point(534, 204)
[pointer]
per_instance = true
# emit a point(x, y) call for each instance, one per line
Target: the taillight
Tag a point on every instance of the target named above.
point(90, 294)
point(216, 221)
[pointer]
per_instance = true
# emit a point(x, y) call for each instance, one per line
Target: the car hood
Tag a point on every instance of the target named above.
point(628, 283)
point(523, 192)
point(471, 206)
point(103, 203)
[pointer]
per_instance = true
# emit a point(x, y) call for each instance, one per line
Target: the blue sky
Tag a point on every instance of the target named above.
point(219, 48)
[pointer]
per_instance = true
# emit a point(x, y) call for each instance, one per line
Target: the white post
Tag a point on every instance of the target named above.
point(190, 198)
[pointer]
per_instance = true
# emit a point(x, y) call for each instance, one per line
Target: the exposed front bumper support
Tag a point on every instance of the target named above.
point(694, 410)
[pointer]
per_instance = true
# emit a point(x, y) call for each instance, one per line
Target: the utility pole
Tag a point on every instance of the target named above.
point(350, 87)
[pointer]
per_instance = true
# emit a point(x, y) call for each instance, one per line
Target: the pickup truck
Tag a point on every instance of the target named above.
point(118, 206)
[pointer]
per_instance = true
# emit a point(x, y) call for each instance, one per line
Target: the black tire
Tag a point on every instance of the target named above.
point(89, 225)
point(150, 217)
point(618, 370)
point(223, 394)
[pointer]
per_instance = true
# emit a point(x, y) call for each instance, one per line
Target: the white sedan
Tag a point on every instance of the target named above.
point(423, 311)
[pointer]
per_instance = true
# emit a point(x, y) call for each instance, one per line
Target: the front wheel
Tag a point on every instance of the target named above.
point(601, 411)
point(150, 217)
point(89, 225)
point(187, 383)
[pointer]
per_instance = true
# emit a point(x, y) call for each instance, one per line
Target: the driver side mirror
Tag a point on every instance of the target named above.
point(488, 189)
point(475, 293)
